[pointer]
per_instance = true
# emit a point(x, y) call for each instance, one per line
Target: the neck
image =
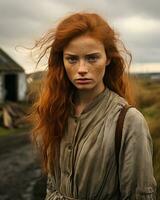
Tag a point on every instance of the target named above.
point(84, 97)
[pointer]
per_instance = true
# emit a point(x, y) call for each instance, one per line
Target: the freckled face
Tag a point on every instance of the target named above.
point(85, 62)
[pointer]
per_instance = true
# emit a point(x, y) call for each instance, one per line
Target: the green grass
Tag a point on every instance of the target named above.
point(6, 131)
point(149, 105)
point(156, 164)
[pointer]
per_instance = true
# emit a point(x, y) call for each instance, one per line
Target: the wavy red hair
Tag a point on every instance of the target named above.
point(50, 111)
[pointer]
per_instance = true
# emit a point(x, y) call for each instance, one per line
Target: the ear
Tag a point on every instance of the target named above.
point(108, 61)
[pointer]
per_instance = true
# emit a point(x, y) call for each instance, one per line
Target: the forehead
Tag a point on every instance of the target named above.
point(84, 44)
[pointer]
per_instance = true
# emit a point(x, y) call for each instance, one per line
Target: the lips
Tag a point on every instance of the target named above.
point(83, 80)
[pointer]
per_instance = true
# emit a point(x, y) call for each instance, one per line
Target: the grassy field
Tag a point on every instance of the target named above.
point(6, 131)
point(149, 104)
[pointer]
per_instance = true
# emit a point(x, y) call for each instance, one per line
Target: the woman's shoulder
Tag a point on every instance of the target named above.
point(134, 118)
point(116, 100)
point(133, 112)
point(135, 125)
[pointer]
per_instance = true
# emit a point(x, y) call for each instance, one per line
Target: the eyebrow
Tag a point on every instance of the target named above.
point(70, 54)
point(90, 54)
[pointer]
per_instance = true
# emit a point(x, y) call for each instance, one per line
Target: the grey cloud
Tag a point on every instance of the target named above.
point(19, 18)
point(143, 55)
point(148, 8)
point(18, 29)
point(145, 47)
point(118, 8)
point(22, 20)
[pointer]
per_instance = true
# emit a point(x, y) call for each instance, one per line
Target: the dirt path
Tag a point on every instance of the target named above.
point(19, 170)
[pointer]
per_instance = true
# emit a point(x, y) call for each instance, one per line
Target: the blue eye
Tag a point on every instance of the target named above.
point(72, 60)
point(92, 58)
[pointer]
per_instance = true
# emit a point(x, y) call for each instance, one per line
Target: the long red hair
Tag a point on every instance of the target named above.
point(50, 111)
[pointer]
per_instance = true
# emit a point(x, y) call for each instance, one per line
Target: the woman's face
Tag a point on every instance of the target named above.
point(85, 61)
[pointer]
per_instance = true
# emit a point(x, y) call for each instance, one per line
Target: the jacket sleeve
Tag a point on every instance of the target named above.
point(136, 176)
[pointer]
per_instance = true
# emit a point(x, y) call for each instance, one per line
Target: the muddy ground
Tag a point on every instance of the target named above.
point(20, 174)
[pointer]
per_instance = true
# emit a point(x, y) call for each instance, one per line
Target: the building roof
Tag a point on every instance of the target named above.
point(7, 64)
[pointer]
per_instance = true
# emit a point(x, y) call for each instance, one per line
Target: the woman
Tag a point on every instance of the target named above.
point(75, 117)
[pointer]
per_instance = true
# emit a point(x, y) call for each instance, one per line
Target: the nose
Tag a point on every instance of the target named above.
point(82, 68)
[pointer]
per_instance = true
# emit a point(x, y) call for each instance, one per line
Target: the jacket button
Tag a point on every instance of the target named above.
point(66, 173)
point(70, 147)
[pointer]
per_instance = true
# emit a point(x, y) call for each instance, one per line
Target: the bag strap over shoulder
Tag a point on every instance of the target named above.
point(119, 127)
point(118, 137)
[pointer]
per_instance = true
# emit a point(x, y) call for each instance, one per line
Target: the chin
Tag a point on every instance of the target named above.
point(84, 87)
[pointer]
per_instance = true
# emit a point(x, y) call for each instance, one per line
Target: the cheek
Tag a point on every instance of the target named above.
point(99, 71)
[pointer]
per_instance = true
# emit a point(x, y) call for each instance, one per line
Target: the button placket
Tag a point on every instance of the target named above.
point(77, 122)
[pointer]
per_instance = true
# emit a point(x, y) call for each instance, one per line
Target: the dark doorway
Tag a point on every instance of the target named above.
point(10, 82)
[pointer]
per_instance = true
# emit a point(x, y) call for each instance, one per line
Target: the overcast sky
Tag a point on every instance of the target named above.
point(138, 22)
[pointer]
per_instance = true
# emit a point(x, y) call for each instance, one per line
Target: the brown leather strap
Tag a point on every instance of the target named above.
point(118, 137)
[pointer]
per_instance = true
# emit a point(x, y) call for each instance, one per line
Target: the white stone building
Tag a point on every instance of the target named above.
point(12, 80)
